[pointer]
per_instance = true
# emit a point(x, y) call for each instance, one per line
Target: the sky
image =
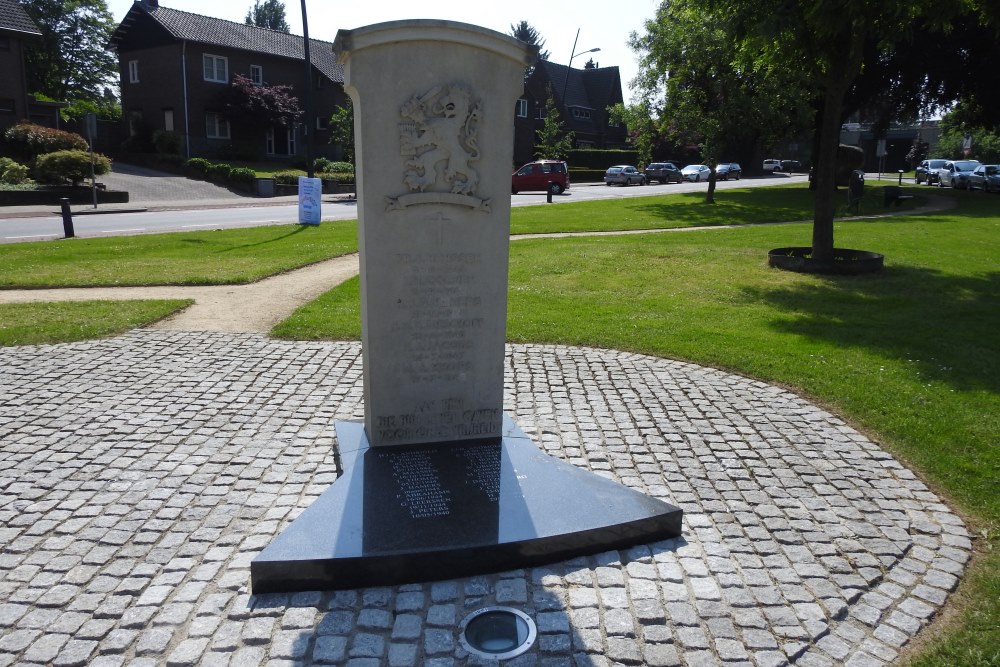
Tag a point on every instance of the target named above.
point(602, 24)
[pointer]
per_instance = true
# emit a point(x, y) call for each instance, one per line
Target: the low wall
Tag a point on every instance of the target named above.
point(43, 197)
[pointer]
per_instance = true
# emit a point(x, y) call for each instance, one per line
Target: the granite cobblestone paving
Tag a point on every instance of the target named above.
point(140, 475)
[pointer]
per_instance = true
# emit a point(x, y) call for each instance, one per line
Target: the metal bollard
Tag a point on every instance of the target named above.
point(67, 217)
point(900, 176)
point(548, 196)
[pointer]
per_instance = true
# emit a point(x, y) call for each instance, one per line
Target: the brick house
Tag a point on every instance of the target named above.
point(16, 28)
point(582, 97)
point(177, 68)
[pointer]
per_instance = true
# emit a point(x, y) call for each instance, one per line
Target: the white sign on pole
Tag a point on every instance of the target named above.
point(310, 200)
point(880, 149)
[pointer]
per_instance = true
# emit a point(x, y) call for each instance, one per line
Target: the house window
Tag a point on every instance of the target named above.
point(6, 105)
point(257, 74)
point(540, 112)
point(322, 123)
point(522, 108)
point(168, 120)
point(581, 113)
point(133, 71)
point(216, 126)
point(216, 68)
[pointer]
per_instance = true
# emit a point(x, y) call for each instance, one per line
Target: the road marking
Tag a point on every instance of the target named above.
point(119, 231)
point(193, 226)
point(36, 236)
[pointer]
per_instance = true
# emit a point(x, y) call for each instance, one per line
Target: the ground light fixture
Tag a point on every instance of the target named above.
point(497, 633)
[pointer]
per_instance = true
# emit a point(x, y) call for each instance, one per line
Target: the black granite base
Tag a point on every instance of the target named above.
point(438, 511)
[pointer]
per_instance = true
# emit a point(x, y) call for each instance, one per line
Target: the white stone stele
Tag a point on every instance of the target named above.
point(433, 118)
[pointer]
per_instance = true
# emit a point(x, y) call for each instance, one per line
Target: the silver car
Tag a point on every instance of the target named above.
point(624, 174)
point(956, 173)
point(985, 177)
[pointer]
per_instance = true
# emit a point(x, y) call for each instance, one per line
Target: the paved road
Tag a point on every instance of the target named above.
point(171, 203)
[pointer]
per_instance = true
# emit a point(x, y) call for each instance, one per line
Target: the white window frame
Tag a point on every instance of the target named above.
point(215, 61)
point(540, 112)
point(133, 71)
point(216, 126)
point(522, 108)
point(257, 74)
point(168, 120)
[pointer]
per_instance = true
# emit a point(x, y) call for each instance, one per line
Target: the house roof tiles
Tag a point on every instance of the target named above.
point(13, 18)
point(220, 32)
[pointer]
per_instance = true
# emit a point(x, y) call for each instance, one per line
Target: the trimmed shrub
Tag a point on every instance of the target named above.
point(74, 166)
point(218, 173)
point(11, 172)
point(28, 140)
point(593, 158)
point(321, 164)
point(242, 176)
point(197, 167)
point(288, 176)
point(167, 143)
point(337, 177)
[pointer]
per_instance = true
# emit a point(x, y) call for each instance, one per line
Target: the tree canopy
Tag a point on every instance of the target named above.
point(274, 105)
point(268, 14)
point(524, 32)
point(71, 61)
point(552, 141)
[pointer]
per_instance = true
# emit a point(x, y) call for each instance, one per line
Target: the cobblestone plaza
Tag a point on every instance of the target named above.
point(140, 475)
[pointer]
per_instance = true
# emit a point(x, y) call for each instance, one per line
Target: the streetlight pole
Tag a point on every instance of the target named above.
point(308, 93)
point(569, 69)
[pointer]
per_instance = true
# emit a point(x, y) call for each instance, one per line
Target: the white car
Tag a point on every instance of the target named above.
point(771, 166)
point(696, 172)
point(956, 174)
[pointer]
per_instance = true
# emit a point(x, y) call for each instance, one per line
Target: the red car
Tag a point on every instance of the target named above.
point(542, 175)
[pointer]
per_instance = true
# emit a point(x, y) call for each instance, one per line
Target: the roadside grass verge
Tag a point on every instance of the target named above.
point(742, 206)
point(223, 257)
point(910, 356)
point(66, 322)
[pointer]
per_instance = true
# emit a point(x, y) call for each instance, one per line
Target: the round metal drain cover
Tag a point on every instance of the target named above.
point(499, 633)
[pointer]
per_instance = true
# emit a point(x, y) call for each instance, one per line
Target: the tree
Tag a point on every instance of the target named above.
point(342, 130)
point(71, 61)
point(711, 100)
point(268, 14)
point(642, 129)
point(524, 32)
point(552, 141)
point(270, 105)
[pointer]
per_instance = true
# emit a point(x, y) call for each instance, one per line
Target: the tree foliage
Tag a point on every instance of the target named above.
point(642, 129)
point(27, 140)
point(71, 61)
point(965, 121)
point(73, 166)
point(271, 105)
point(552, 141)
point(342, 130)
point(526, 33)
point(268, 14)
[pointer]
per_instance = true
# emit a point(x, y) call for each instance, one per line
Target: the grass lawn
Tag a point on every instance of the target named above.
point(233, 256)
point(39, 323)
point(911, 356)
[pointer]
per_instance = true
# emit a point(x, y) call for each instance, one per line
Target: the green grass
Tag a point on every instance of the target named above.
point(66, 322)
point(911, 356)
point(741, 206)
point(233, 256)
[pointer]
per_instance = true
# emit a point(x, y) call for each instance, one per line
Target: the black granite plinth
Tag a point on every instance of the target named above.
point(423, 512)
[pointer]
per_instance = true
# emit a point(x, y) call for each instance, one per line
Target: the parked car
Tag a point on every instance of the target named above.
point(696, 172)
point(771, 166)
point(790, 166)
point(663, 172)
point(624, 174)
point(727, 170)
point(956, 174)
point(544, 175)
point(985, 177)
point(927, 171)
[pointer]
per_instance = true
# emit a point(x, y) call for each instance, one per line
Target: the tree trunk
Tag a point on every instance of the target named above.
point(710, 195)
point(825, 175)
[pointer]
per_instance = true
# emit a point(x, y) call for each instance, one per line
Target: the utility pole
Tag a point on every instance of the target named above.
point(310, 115)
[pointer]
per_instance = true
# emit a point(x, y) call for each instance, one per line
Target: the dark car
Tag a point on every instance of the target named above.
point(663, 172)
point(927, 171)
point(985, 177)
point(727, 170)
point(790, 166)
point(542, 175)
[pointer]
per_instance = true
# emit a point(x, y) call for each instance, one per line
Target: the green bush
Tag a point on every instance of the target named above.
point(218, 173)
point(60, 166)
point(197, 167)
point(242, 176)
point(593, 158)
point(330, 167)
point(288, 176)
point(11, 172)
point(337, 177)
point(167, 143)
point(28, 140)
